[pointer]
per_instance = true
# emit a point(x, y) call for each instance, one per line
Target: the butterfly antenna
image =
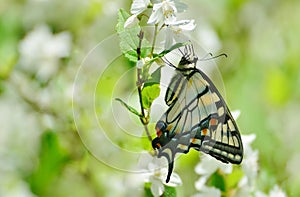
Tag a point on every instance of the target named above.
point(205, 58)
point(168, 62)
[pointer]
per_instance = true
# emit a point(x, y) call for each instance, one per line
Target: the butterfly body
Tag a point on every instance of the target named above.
point(197, 117)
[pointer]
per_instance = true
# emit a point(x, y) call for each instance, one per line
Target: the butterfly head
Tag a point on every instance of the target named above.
point(188, 60)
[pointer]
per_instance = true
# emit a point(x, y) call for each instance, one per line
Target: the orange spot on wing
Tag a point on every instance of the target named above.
point(158, 132)
point(194, 140)
point(204, 131)
point(213, 121)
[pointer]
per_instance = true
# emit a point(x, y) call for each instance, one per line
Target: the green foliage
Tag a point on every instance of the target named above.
point(278, 89)
point(149, 94)
point(52, 159)
point(128, 107)
point(170, 191)
point(147, 189)
point(217, 180)
point(151, 89)
point(129, 40)
point(233, 179)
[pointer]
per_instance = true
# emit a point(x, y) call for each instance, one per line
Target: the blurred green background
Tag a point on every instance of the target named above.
point(42, 45)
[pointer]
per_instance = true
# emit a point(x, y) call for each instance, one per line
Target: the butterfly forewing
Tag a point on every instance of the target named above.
point(197, 117)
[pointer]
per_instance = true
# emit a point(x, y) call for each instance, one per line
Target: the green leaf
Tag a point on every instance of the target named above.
point(217, 181)
point(149, 94)
point(52, 159)
point(155, 76)
point(129, 40)
point(170, 191)
point(151, 89)
point(234, 178)
point(129, 108)
point(147, 189)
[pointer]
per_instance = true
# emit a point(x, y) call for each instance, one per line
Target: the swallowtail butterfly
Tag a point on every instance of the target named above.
point(197, 117)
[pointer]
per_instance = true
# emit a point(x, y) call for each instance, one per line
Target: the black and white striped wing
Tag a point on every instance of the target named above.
point(197, 117)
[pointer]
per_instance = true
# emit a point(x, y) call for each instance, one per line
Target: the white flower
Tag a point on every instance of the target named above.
point(209, 165)
point(40, 51)
point(206, 168)
point(259, 194)
point(156, 173)
point(277, 192)
point(250, 160)
point(138, 6)
point(205, 190)
point(249, 166)
point(209, 192)
point(174, 32)
point(157, 187)
point(163, 12)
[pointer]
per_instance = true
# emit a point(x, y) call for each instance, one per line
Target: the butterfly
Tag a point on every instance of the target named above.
point(197, 117)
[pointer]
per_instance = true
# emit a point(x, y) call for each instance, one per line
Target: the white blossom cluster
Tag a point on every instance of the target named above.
point(164, 14)
point(40, 51)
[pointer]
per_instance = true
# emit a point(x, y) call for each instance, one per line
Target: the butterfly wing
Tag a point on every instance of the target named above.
point(198, 118)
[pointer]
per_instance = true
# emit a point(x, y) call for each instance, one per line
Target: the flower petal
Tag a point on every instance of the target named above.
point(175, 180)
point(157, 187)
point(131, 21)
point(235, 114)
point(200, 184)
point(138, 6)
point(277, 192)
point(156, 15)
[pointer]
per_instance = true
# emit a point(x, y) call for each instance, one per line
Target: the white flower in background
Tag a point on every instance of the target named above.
point(205, 190)
point(209, 165)
point(206, 168)
point(156, 174)
point(250, 160)
point(275, 192)
point(40, 51)
point(249, 166)
point(174, 32)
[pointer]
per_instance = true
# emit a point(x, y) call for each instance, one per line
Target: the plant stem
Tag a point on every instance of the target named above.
point(140, 82)
point(154, 39)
